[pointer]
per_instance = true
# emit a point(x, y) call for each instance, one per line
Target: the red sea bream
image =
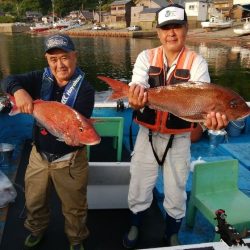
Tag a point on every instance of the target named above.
point(191, 101)
point(63, 122)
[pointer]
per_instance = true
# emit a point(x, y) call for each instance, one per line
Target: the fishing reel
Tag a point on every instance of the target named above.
point(227, 232)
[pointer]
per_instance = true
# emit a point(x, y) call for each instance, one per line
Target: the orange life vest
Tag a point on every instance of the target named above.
point(165, 122)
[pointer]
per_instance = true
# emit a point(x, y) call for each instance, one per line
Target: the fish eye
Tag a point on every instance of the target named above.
point(81, 129)
point(233, 104)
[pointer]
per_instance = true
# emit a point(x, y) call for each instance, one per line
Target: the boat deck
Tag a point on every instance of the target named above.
point(108, 225)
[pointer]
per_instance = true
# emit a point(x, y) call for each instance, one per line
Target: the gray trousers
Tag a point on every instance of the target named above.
point(40, 176)
point(144, 172)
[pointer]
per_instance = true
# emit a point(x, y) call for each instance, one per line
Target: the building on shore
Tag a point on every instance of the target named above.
point(121, 12)
point(144, 13)
point(197, 11)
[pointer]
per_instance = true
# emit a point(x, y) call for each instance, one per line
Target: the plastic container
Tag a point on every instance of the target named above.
point(235, 128)
point(7, 191)
point(6, 151)
point(216, 137)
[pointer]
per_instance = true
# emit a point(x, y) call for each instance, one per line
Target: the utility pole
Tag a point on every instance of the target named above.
point(53, 12)
point(100, 10)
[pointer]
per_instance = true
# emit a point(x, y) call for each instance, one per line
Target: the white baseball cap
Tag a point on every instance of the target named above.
point(171, 14)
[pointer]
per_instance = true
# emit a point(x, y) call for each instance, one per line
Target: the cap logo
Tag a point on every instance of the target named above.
point(62, 42)
point(170, 13)
point(57, 42)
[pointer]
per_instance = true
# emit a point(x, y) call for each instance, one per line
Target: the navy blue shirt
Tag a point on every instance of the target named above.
point(32, 82)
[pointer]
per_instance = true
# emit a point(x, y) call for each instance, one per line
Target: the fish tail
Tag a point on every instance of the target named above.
point(8, 104)
point(120, 89)
point(14, 109)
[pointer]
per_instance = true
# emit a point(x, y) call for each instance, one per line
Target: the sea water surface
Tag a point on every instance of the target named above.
point(114, 57)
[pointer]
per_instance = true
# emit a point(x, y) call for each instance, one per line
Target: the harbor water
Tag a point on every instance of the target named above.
point(115, 56)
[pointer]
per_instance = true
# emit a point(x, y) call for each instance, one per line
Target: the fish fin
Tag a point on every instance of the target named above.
point(93, 120)
point(120, 89)
point(97, 120)
point(189, 118)
point(116, 96)
point(195, 118)
point(14, 110)
point(60, 139)
point(12, 98)
point(152, 106)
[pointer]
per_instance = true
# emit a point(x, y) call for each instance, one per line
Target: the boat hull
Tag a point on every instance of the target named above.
point(40, 28)
point(216, 23)
point(241, 31)
point(245, 30)
point(212, 25)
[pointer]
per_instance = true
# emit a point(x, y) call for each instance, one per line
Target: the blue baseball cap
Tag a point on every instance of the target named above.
point(59, 41)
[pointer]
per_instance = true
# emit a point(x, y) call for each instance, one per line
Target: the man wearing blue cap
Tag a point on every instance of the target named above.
point(61, 164)
point(163, 139)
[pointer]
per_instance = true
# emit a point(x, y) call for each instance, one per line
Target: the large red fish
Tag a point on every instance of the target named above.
point(62, 121)
point(191, 101)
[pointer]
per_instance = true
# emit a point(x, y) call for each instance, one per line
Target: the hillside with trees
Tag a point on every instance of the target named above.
point(17, 8)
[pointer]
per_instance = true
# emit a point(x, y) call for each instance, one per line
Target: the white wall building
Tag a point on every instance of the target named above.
point(196, 10)
point(241, 2)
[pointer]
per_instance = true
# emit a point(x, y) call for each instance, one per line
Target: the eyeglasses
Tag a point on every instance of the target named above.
point(172, 26)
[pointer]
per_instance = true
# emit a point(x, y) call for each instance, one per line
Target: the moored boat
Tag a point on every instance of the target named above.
point(245, 29)
point(39, 27)
point(73, 26)
point(61, 24)
point(216, 23)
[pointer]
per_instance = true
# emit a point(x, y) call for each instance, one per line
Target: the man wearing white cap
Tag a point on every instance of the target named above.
point(163, 139)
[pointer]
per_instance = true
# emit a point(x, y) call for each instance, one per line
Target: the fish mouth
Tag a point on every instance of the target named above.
point(93, 143)
point(243, 117)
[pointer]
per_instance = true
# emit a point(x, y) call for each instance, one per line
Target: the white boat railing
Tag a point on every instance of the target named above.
point(216, 246)
point(109, 104)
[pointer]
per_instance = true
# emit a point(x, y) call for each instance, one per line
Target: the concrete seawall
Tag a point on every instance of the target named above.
point(110, 33)
point(13, 28)
point(19, 28)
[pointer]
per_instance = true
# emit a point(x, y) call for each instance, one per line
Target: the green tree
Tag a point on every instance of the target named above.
point(61, 7)
point(7, 7)
point(45, 6)
point(29, 5)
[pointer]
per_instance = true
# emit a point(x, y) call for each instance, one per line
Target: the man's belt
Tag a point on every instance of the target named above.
point(51, 157)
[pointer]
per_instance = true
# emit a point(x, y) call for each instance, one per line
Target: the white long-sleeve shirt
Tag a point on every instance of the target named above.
point(198, 72)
